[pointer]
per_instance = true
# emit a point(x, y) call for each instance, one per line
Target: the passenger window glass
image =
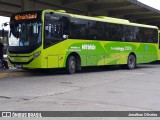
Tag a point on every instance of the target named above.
point(53, 29)
point(78, 29)
point(96, 30)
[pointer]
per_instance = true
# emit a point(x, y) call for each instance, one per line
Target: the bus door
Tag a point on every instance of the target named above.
point(54, 36)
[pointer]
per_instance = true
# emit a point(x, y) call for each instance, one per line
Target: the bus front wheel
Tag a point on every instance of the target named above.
point(71, 65)
point(131, 62)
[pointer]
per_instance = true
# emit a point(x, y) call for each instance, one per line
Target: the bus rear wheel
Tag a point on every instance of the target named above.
point(131, 62)
point(71, 65)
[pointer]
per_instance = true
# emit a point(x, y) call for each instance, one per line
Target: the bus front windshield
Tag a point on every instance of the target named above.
point(25, 34)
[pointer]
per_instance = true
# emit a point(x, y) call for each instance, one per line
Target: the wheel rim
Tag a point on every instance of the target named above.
point(72, 65)
point(131, 62)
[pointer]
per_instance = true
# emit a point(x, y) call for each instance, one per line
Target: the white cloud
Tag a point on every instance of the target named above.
point(3, 20)
point(152, 3)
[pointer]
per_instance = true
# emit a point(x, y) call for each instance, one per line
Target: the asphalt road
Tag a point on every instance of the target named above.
point(98, 89)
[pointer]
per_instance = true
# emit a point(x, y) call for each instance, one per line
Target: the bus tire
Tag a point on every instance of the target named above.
point(131, 62)
point(71, 65)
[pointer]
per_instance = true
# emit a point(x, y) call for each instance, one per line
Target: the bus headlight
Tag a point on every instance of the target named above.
point(35, 55)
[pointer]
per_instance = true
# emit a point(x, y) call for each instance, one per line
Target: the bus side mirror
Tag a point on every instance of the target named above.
point(65, 36)
point(4, 25)
point(3, 33)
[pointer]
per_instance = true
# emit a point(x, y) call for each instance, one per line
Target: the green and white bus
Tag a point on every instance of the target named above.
point(56, 39)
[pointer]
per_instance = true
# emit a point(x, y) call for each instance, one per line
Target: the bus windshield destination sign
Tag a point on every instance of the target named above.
point(26, 16)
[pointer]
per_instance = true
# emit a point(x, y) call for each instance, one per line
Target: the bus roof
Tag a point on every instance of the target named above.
point(113, 20)
point(101, 18)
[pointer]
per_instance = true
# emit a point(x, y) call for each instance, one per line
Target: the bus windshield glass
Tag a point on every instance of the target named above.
point(25, 33)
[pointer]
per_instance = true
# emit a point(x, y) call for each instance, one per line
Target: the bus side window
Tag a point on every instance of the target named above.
point(53, 29)
point(78, 29)
point(66, 23)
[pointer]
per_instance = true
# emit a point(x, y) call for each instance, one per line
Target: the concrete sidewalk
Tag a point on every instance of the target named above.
point(12, 72)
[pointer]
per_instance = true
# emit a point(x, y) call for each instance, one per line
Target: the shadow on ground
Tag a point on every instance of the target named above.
point(44, 72)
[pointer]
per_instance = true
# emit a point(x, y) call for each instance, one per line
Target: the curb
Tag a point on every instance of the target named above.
point(14, 74)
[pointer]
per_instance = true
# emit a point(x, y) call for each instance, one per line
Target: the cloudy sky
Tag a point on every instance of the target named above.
point(152, 3)
point(2, 20)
